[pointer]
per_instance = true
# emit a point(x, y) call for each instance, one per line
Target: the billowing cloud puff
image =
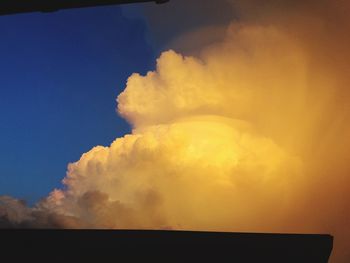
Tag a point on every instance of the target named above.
point(250, 135)
point(230, 79)
point(192, 174)
point(242, 138)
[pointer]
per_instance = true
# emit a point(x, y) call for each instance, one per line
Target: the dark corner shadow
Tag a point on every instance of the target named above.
point(24, 6)
point(160, 246)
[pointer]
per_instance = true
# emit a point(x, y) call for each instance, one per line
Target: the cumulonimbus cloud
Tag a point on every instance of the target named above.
point(252, 134)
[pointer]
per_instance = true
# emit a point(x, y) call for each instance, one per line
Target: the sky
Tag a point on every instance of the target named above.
point(60, 74)
point(232, 117)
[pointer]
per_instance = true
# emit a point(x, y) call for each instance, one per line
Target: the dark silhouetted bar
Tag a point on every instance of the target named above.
point(101, 246)
point(24, 6)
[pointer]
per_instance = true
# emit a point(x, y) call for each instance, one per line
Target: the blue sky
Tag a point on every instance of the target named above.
point(60, 75)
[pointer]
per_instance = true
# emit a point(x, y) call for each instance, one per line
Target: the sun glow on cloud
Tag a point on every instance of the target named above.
point(200, 156)
point(237, 139)
point(250, 135)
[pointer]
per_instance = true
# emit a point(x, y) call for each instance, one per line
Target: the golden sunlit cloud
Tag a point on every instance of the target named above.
point(250, 135)
point(218, 142)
